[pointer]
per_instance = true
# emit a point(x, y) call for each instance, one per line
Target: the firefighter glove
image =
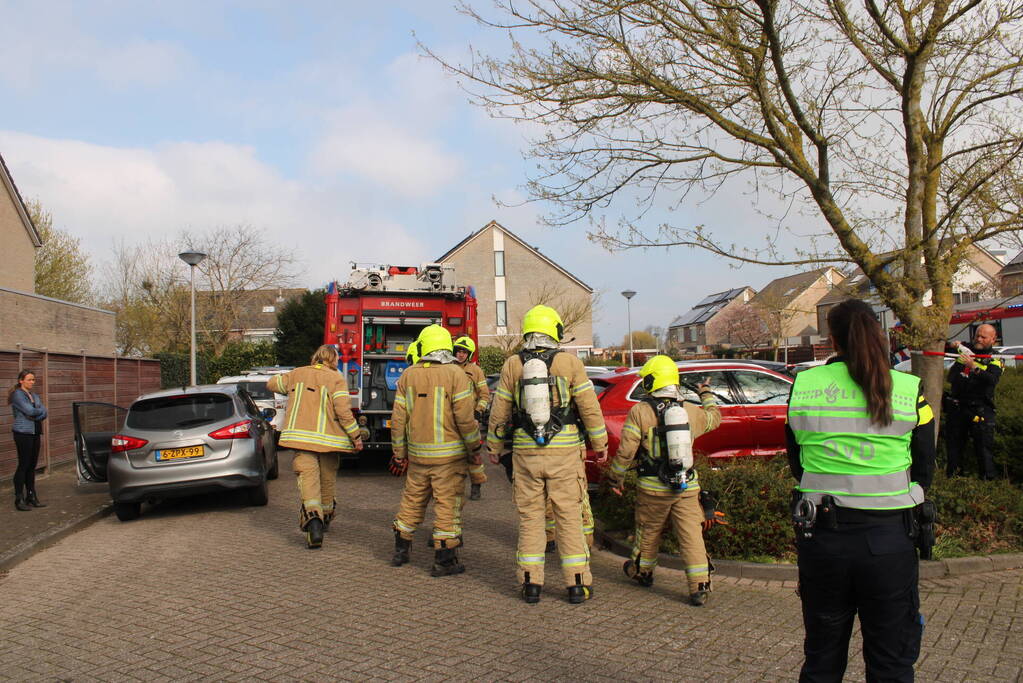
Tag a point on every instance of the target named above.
point(711, 515)
point(397, 466)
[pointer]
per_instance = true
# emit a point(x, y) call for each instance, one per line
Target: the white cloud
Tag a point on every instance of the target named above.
point(363, 143)
point(101, 194)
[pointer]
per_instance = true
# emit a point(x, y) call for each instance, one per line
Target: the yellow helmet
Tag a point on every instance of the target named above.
point(465, 343)
point(545, 320)
point(659, 371)
point(412, 357)
point(433, 338)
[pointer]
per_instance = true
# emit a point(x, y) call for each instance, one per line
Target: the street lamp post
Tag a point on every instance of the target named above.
point(628, 294)
point(192, 258)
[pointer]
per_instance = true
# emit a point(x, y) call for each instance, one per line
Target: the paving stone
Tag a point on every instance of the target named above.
point(208, 588)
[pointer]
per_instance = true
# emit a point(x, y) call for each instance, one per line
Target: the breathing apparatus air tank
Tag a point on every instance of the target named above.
point(536, 395)
point(680, 442)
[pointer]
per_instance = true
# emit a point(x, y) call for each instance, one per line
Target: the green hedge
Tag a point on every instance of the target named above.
point(974, 517)
point(1009, 426)
point(491, 359)
point(236, 358)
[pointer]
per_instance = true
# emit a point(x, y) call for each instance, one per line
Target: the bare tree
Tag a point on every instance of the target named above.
point(62, 269)
point(575, 307)
point(741, 325)
point(895, 123)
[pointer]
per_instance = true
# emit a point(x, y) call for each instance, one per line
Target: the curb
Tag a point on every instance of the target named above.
point(30, 547)
point(929, 569)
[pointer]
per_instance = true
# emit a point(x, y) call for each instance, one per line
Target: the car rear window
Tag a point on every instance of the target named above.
point(180, 412)
point(600, 386)
point(257, 390)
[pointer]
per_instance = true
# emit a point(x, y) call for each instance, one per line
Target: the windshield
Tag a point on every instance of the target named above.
point(179, 412)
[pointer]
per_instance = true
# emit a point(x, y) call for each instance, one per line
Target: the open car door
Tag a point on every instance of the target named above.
point(95, 424)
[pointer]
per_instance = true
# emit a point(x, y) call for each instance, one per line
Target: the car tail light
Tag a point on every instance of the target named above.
point(239, 430)
point(120, 442)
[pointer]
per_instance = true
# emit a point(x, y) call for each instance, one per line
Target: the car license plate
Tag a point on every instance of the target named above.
point(180, 453)
point(387, 424)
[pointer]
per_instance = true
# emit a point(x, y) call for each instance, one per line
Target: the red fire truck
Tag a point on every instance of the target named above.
point(375, 316)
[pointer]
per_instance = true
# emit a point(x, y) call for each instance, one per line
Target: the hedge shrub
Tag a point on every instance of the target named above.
point(491, 359)
point(974, 517)
point(235, 359)
point(1009, 426)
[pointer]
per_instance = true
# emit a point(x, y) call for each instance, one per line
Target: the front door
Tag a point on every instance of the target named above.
point(95, 424)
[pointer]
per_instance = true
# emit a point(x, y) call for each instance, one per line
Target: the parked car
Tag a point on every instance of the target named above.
point(177, 442)
point(254, 381)
point(753, 402)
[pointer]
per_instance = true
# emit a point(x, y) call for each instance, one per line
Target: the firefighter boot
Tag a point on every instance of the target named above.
point(530, 591)
point(579, 593)
point(401, 548)
point(699, 597)
point(474, 492)
point(645, 579)
point(551, 547)
point(445, 562)
point(314, 533)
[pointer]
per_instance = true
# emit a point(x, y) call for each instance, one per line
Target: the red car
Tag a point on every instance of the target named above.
point(753, 402)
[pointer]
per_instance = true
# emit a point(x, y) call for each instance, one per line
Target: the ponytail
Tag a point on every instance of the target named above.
point(859, 336)
point(17, 385)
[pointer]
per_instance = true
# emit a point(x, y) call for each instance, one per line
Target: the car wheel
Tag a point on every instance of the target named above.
point(275, 468)
point(259, 494)
point(127, 511)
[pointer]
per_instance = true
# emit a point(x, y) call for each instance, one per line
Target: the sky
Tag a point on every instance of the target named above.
point(320, 123)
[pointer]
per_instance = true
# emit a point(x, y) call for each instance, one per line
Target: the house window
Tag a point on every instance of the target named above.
point(502, 313)
point(269, 309)
point(498, 264)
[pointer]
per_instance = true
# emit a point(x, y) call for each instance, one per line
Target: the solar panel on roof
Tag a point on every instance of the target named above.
point(690, 317)
point(705, 315)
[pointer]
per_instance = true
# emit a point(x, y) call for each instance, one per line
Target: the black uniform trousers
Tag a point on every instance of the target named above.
point(961, 427)
point(870, 569)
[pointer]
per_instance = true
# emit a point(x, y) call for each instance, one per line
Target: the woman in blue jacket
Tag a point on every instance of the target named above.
point(29, 413)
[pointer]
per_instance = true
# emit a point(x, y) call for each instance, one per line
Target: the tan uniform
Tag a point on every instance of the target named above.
point(656, 502)
point(318, 426)
point(552, 471)
point(433, 426)
point(481, 393)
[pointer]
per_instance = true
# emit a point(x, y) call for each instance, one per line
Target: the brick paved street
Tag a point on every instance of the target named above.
point(211, 588)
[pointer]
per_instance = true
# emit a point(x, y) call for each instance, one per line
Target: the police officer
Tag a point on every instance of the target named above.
point(668, 490)
point(861, 444)
point(547, 394)
point(434, 437)
point(971, 413)
point(318, 427)
point(465, 347)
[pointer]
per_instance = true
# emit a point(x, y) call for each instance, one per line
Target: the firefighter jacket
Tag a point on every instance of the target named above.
point(639, 437)
point(571, 386)
point(433, 421)
point(975, 391)
point(479, 385)
point(319, 417)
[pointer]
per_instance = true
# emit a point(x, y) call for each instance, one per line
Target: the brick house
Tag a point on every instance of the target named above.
point(1011, 276)
point(510, 276)
point(705, 325)
point(788, 305)
point(29, 319)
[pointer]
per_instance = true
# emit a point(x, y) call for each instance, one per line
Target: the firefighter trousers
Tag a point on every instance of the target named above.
point(317, 479)
point(686, 516)
point(550, 527)
point(539, 478)
point(445, 483)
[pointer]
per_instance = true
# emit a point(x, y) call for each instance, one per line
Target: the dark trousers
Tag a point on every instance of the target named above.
point(869, 569)
point(960, 429)
point(28, 456)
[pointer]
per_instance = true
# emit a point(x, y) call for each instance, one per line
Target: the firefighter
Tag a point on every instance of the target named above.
point(435, 439)
point(319, 426)
point(546, 393)
point(464, 348)
point(657, 436)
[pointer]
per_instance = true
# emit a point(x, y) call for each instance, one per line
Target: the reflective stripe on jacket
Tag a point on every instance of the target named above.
point(319, 415)
point(862, 464)
point(478, 380)
point(433, 421)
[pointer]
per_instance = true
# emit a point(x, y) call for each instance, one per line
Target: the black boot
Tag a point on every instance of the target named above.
point(551, 547)
point(19, 502)
point(531, 593)
point(314, 533)
point(445, 563)
point(474, 492)
point(33, 500)
point(577, 594)
point(401, 549)
point(645, 579)
point(698, 598)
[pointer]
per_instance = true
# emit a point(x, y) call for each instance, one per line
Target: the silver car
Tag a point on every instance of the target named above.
point(177, 442)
